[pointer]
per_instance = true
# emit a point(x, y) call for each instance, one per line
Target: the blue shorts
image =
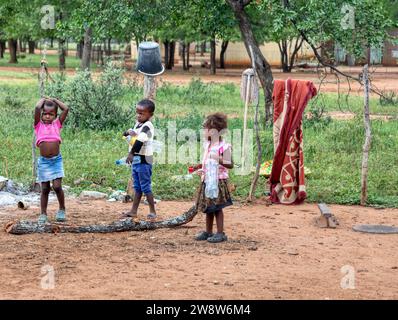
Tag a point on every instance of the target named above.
point(142, 174)
point(49, 169)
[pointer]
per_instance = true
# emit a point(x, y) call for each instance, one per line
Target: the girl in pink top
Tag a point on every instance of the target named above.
point(217, 159)
point(50, 166)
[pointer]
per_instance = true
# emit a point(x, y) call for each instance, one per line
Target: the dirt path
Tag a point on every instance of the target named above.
point(273, 252)
point(383, 78)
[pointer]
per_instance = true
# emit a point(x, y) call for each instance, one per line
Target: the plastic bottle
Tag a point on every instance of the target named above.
point(122, 162)
point(211, 179)
point(188, 176)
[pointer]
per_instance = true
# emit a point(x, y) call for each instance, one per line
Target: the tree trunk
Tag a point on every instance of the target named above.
point(109, 47)
point(184, 62)
point(85, 63)
point(213, 56)
point(31, 45)
point(202, 48)
point(12, 46)
point(172, 53)
point(166, 53)
point(2, 48)
point(293, 55)
point(284, 56)
point(80, 46)
point(224, 46)
point(27, 227)
point(61, 54)
point(264, 71)
point(22, 45)
point(188, 47)
point(51, 42)
point(368, 138)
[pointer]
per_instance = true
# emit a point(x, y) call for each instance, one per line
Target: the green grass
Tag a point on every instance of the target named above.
point(332, 151)
point(33, 61)
point(352, 104)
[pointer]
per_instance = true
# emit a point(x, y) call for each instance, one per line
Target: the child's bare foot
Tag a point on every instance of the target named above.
point(128, 214)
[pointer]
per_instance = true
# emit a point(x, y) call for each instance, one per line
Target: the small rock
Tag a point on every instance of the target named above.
point(78, 181)
point(292, 252)
point(277, 214)
point(92, 195)
point(228, 284)
point(215, 282)
point(394, 268)
point(3, 182)
point(253, 248)
point(362, 270)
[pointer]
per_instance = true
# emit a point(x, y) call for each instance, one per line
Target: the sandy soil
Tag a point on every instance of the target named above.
point(382, 78)
point(273, 252)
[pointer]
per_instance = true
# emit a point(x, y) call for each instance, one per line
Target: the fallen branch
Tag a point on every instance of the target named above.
point(27, 227)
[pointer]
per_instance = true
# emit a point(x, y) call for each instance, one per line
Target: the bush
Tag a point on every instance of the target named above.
point(314, 115)
point(93, 104)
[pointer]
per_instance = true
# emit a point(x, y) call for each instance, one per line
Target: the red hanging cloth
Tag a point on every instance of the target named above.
point(290, 98)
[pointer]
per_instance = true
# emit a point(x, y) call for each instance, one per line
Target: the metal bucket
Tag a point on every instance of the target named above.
point(149, 61)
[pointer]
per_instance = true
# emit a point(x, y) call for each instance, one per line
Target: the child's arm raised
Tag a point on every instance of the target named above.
point(38, 108)
point(64, 109)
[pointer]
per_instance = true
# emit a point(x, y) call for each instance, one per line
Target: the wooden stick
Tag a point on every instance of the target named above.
point(245, 123)
point(259, 148)
point(149, 87)
point(368, 138)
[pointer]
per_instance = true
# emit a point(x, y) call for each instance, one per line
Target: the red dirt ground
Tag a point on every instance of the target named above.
point(273, 252)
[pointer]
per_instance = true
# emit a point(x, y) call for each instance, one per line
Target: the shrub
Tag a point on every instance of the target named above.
point(94, 104)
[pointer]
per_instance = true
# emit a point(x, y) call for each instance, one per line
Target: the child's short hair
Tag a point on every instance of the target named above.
point(216, 120)
point(51, 104)
point(148, 104)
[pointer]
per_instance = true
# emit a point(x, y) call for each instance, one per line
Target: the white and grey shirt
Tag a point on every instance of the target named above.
point(143, 145)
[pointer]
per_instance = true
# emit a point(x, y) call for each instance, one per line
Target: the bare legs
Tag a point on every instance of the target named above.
point(219, 215)
point(45, 191)
point(136, 202)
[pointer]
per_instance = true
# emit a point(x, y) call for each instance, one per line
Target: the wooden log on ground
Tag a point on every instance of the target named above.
point(27, 227)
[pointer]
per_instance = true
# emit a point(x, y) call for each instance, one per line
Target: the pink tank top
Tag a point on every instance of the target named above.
point(48, 132)
point(218, 149)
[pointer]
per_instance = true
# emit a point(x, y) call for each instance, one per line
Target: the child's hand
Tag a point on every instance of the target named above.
point(131, 132)
point(197, 166)
point(129, 159)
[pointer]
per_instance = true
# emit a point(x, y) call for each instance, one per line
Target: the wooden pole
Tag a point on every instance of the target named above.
point(259, 149)
point(149, 87)
point(245, 122)
point(368, 138)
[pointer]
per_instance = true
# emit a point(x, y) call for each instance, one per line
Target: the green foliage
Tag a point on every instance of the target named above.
point(93, 103)
point(389, 98)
